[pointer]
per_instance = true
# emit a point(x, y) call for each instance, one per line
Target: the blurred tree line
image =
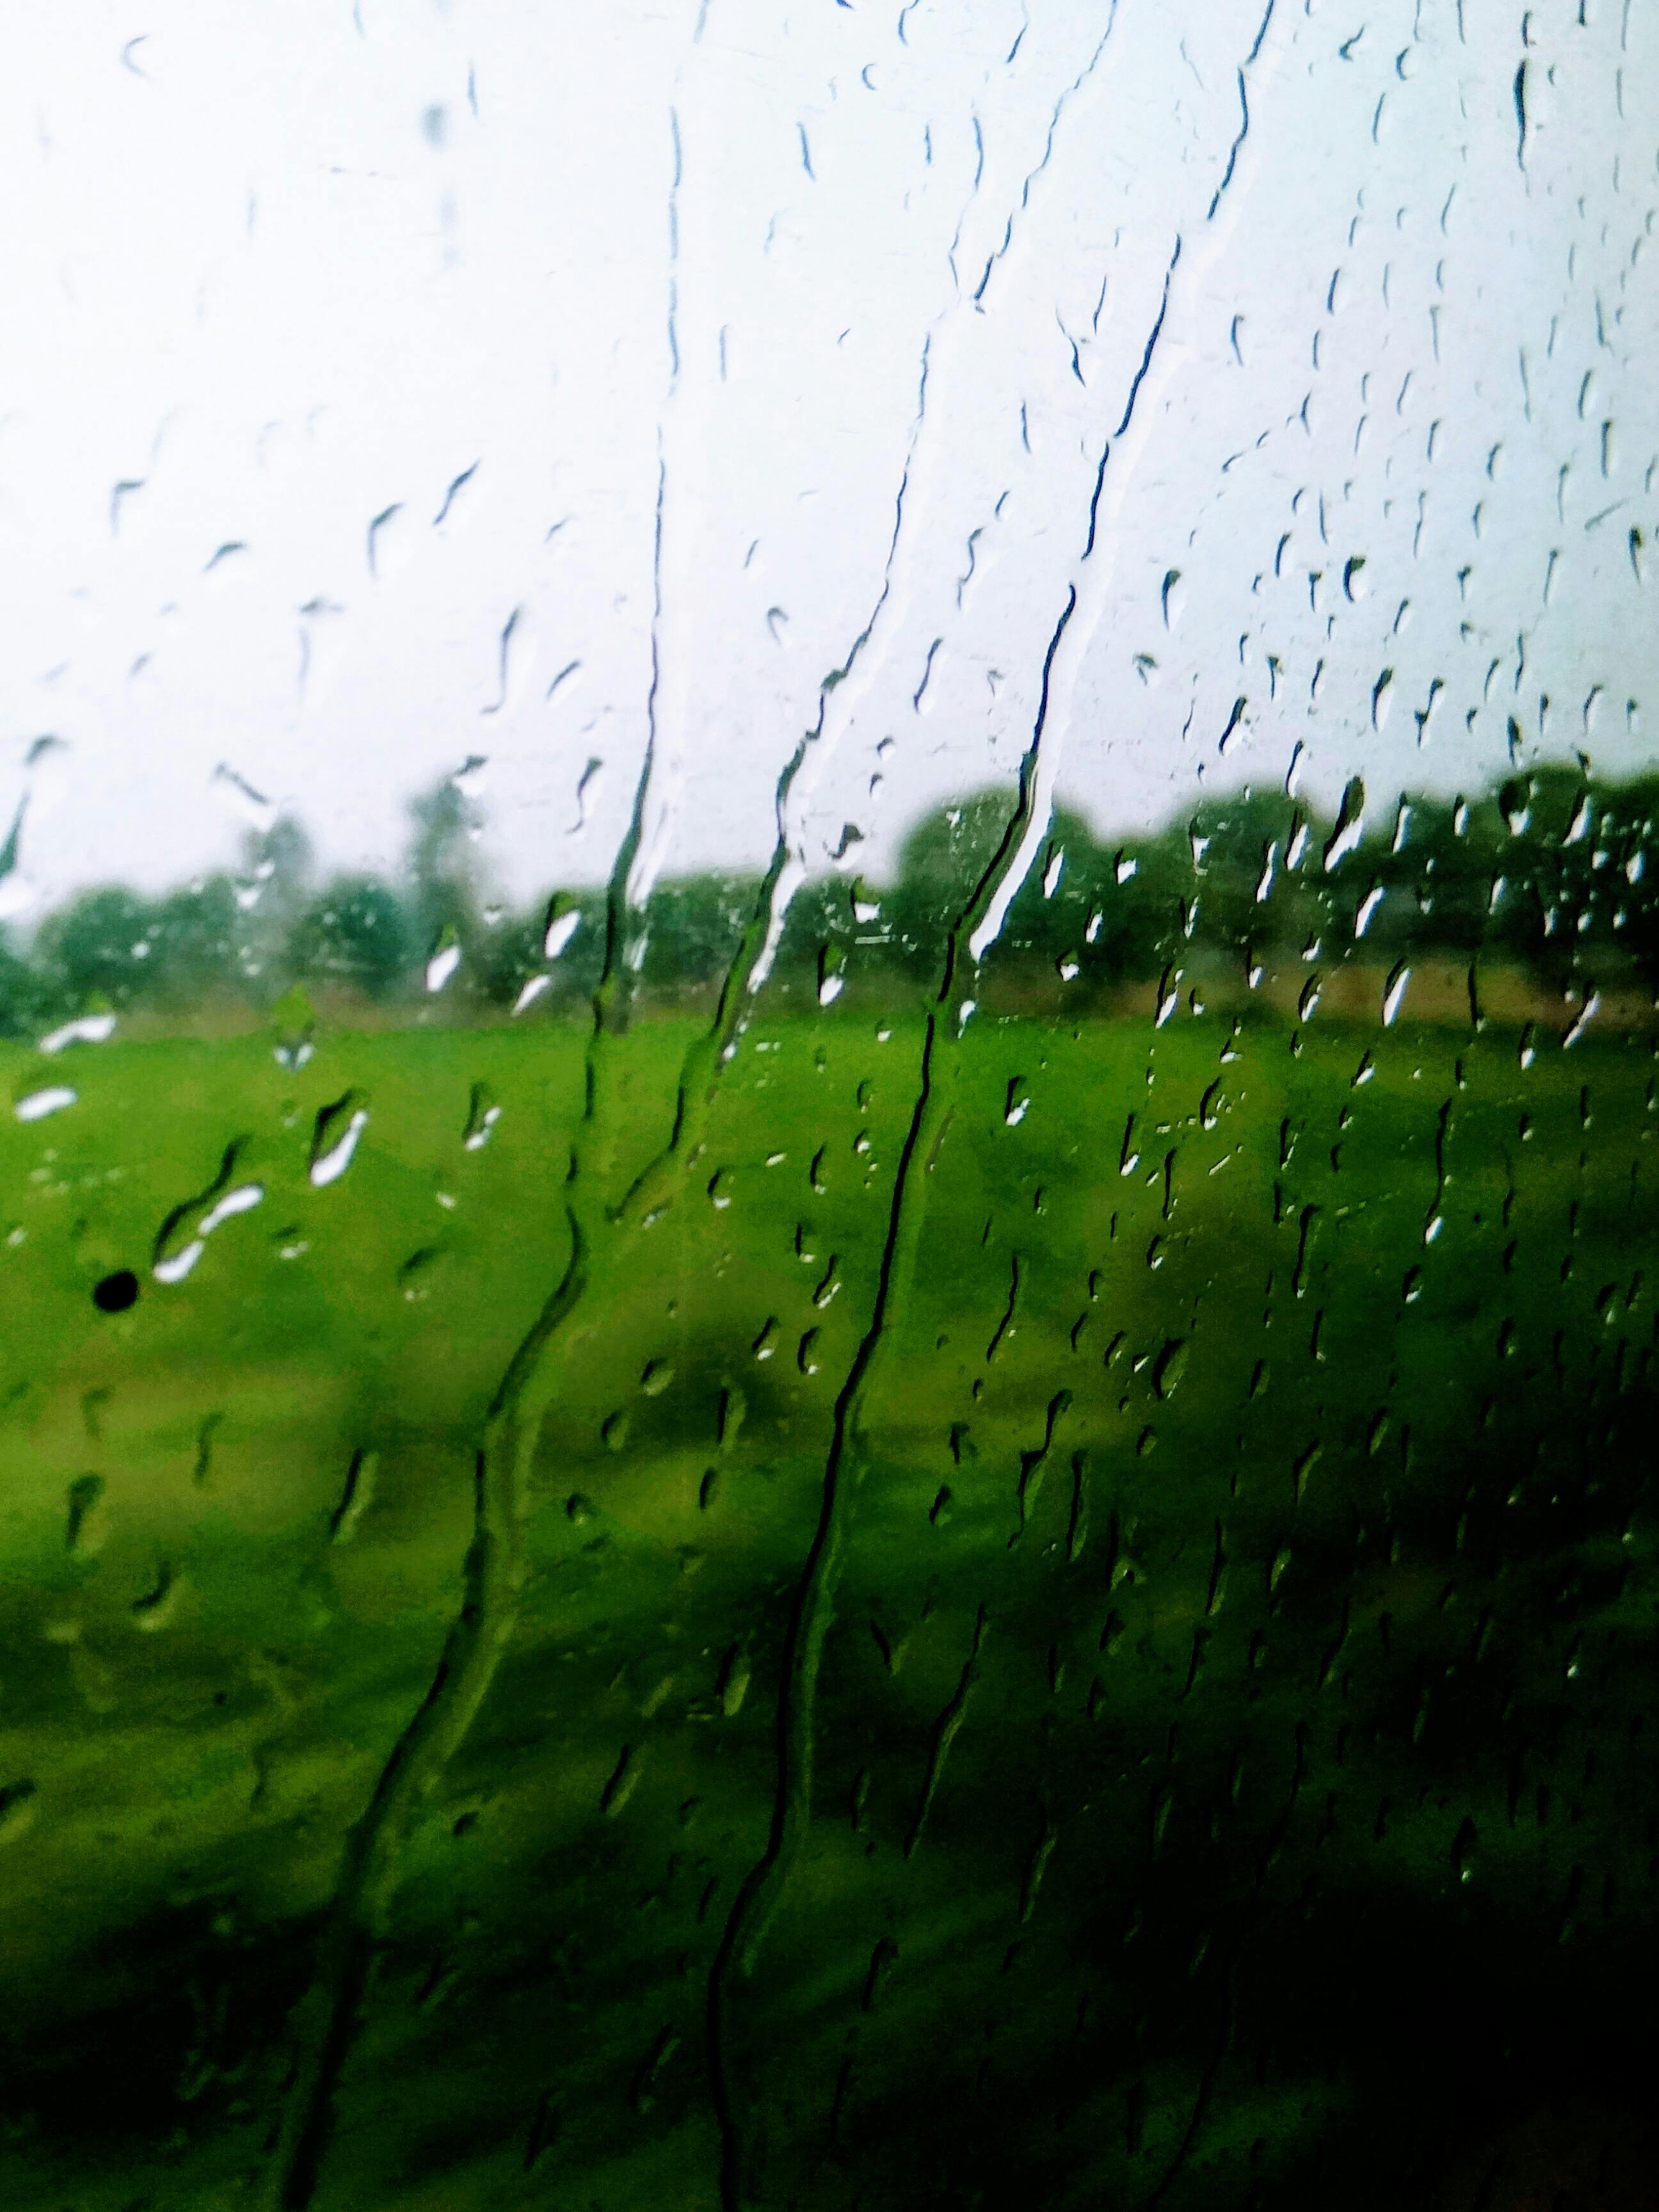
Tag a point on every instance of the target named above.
point(1548, 871)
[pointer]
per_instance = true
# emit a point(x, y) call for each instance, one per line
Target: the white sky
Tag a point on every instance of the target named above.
point(270, 274)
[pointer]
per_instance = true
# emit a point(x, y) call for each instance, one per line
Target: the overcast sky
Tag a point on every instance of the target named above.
point(383, 387)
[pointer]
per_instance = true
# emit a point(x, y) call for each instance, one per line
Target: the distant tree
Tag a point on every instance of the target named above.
point(1120, 912)
point(940, 864)
point(442, 870)
point(99, 946)
point(1625, 828)
point(1438, 885)
point(1549, 869)
point(817, 947)
point(692, 925)
point(195, 941)
point(513, 951)
point(356, 932)
point(274, 890)
point(1269, 875)
point(1083, 912)
point(511, 954)
point(28, 1003)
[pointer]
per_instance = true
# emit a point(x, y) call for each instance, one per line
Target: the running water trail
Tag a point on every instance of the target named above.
point(325, 2021)
point(973, 930)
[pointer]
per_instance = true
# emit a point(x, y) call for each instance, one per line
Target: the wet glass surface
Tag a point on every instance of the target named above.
point(828, 934)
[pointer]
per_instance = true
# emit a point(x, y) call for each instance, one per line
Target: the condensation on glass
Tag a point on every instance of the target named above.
point(827, 957)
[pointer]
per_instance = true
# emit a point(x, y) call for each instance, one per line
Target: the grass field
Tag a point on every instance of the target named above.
point(1233, 1769)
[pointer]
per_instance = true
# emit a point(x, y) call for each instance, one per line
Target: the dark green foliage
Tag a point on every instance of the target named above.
point(98, 946)
point(356, 932)
point(196, 945)
point(1548, 872)
point(25, 994)
point(692, 926)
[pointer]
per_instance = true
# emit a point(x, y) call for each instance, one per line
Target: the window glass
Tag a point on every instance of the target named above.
point(828, 957)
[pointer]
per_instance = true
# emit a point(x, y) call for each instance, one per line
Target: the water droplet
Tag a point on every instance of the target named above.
point(17, 1808)
point(1170, 1365)
point(156, 1607)
point(832, 977)
point(563, 919)
point(624, 1781)
point(294, 1024)
point(334, 1138)
point(87, 1028)
point(732, 1685)
point(357, 1498)
point(87, 1523)
point(442, 965)
point(242, 1200)
point(35, 1105)
point(482, 1116)
point(175, 1268)
point(415, 1275)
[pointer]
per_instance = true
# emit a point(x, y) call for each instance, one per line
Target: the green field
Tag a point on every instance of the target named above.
point(1233, 1770)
